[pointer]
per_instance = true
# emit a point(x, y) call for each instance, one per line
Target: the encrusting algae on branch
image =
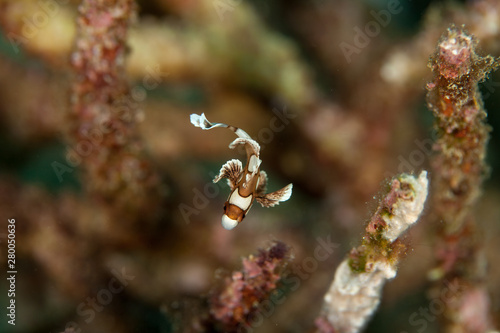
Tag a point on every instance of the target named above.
point(455, 100)
point(356, 290)
point(459, 170)
point(236, 304)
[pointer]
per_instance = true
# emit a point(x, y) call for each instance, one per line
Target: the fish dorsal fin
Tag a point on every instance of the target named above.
point(251, 146)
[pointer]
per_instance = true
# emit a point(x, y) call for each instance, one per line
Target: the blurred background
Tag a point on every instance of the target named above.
point(333, 90)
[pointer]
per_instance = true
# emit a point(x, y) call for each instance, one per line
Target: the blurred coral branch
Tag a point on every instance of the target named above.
point(104, 136)
point(235, 304)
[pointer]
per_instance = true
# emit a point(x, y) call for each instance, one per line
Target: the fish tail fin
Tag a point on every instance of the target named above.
point(203, 123)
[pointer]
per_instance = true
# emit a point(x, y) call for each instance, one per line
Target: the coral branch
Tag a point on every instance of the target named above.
point(356, 290)
point(233, 307)
point(455, 100)
point(459, 170)
point(105, 135)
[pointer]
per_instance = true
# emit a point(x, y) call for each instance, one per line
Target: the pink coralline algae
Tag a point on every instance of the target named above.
point(242, 293)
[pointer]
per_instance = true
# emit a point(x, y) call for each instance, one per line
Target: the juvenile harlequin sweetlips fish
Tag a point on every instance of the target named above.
point(247, 184)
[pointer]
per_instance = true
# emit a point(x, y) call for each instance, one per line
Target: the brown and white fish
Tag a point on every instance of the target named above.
point(247, 184)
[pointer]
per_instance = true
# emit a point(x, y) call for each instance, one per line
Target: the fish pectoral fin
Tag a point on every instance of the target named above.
point(232, 171)
point(274, 198)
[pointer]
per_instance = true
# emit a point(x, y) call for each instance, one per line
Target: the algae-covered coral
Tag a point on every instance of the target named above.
point(108, 206)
